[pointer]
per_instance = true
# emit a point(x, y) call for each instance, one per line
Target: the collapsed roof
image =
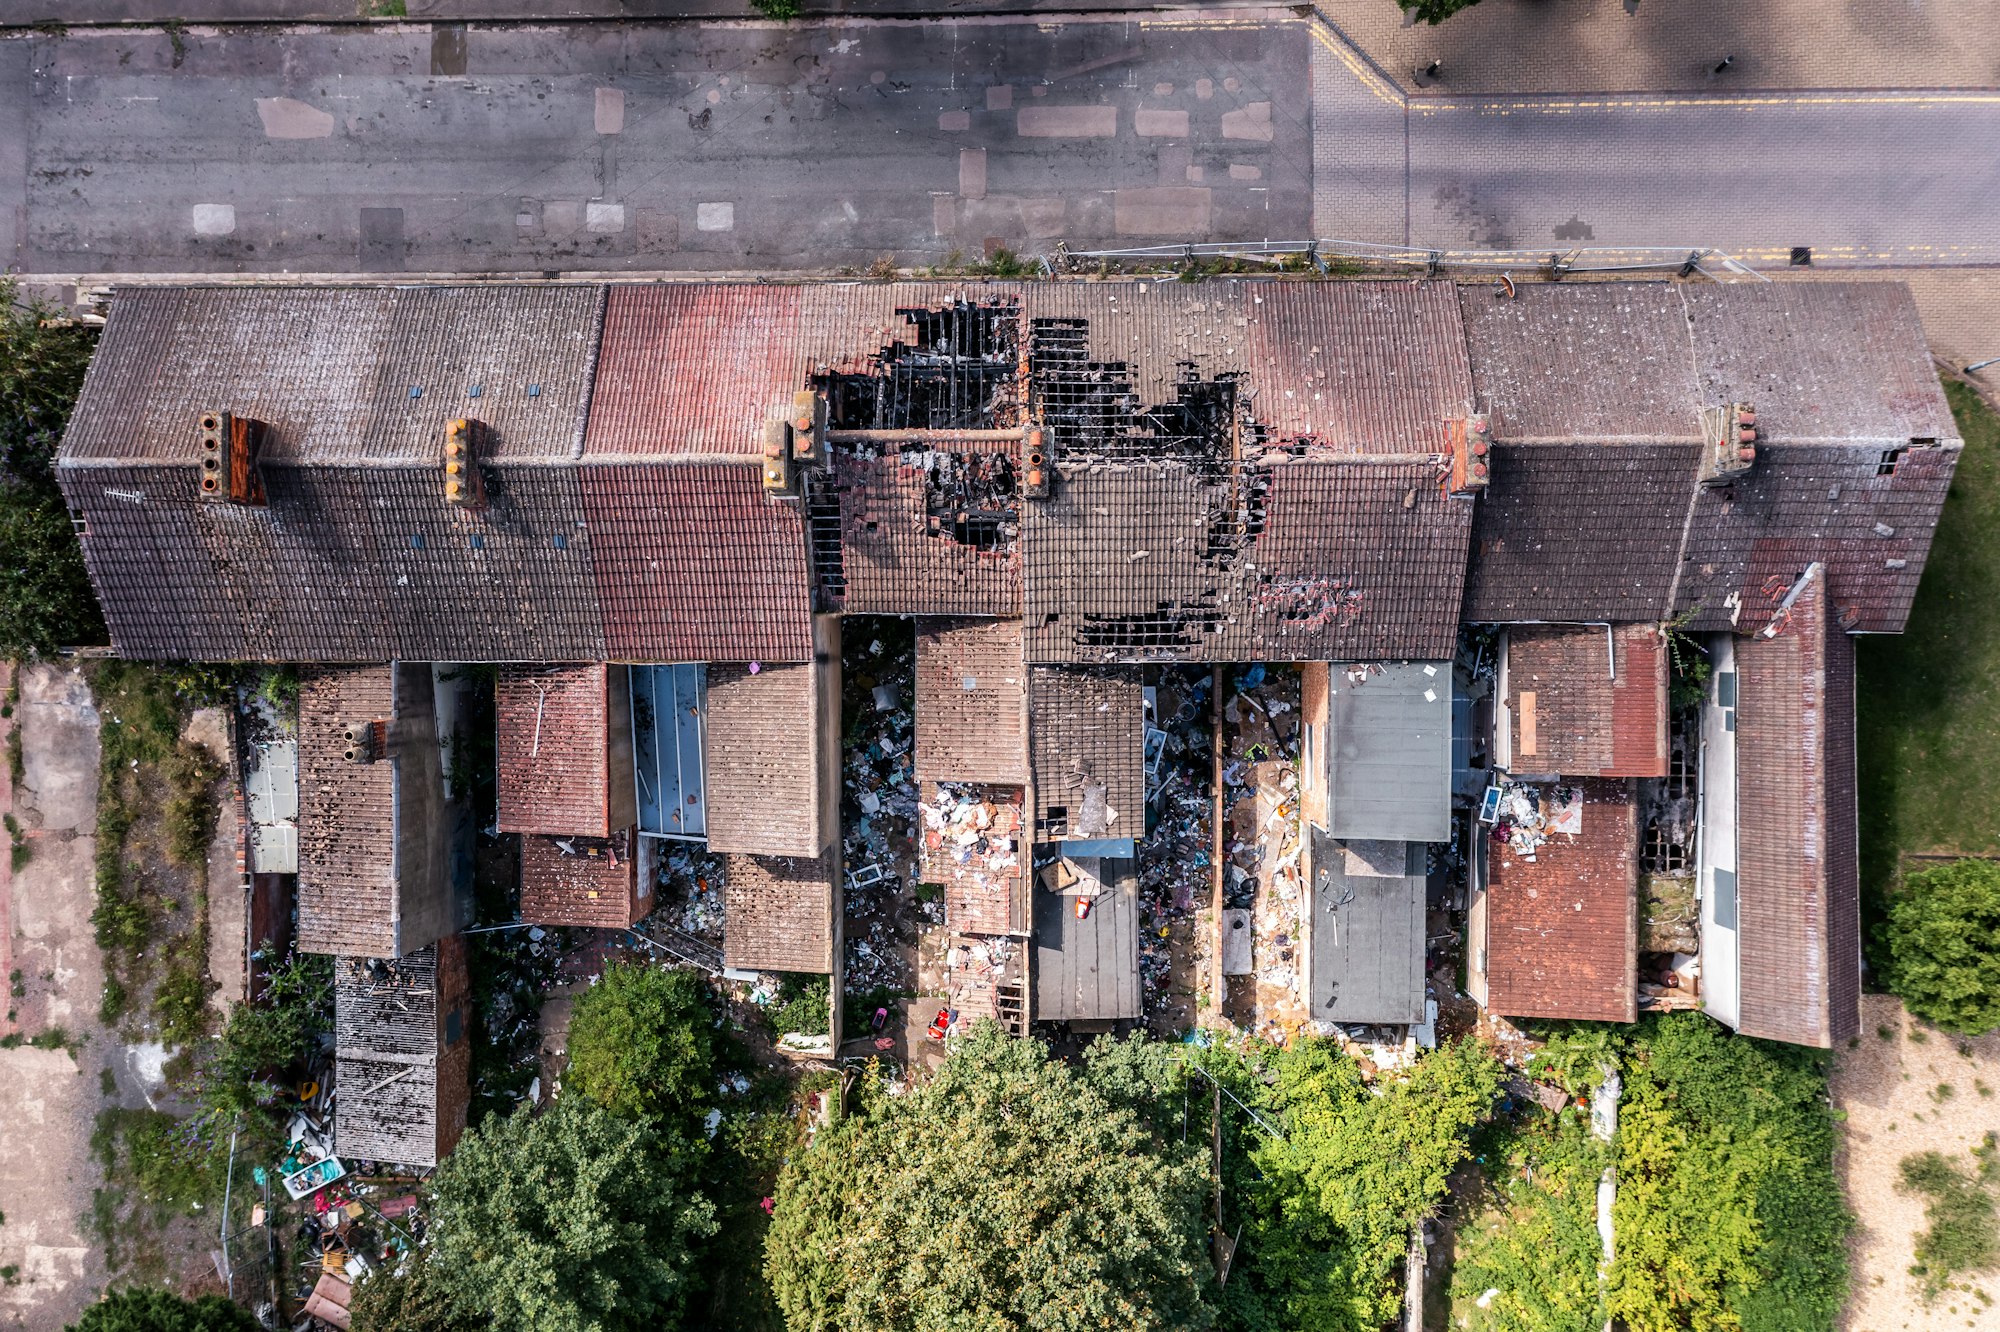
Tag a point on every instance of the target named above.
point(1234, 470)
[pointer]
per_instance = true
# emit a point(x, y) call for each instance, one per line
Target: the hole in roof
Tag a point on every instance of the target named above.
point(1890, 457)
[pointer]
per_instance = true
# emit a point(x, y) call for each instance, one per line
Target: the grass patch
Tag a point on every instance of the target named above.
point(156, 1168)
point(1963, 1232)
point(1932, 694)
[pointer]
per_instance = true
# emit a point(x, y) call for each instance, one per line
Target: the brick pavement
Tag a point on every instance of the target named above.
point(1569, 45)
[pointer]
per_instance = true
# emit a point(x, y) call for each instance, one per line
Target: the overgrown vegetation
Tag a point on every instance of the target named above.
point(642, 1045)
point(1933, 692)
point(1941, 945)
point(802, 1006)
point(149, 1309)
point(156, 811)
point(1962, 1237)
point(45, 595)
point(1533, 1239)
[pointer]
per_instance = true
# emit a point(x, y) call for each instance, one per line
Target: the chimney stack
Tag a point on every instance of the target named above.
point(230, 449)
point(367, 741)
point(1470, 439)
point(464, 442)
point(1729, 442)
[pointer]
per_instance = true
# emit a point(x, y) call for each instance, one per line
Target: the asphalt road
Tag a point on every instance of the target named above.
point(724, 146)
point(765, 148)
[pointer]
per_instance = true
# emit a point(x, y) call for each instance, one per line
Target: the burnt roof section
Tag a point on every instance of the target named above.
point(931, 530)
point(1562, 929)
point(1601, 362)
point(1298, 560)
point(402, 1055)
point(1088, 970)
point(778, 912)
point(1868, 513)
point(553, 724)
point(581, 881)
point(1086, 745)
point(1798, 883)
point(1821, 361)
point(692, 563)
point(1367, 931)
point(971, 708)
point(1580, 532)
point(763, 761)
point(346, 564)
point(342, 374)
point(1587, 700)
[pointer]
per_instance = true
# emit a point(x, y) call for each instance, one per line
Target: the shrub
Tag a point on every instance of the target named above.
point(149, 1309)
point(1963, 1232)
point(1942, 938)
point(801, 1006)
point(191, 775)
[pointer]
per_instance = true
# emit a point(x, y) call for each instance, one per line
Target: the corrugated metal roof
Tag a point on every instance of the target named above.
point(402, 1055)
point(1820, 361)
point(333, 370)
point(1562, 929)
point(1797, 876)
point(1367, 934)
point(1388, 751)
point(1600, 362)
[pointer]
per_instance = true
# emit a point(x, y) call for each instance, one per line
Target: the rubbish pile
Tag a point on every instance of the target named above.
point(689, 890)
point(971, 844)
point(879, 805)
point(512, 972)
point(1263, 843)
point(1524, 816)
point(362, 1224)
point(974, 971)
point(1174, 856)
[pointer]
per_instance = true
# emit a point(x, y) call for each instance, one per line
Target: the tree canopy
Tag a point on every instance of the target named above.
point(573, 1220)
point(1942, 936)
point(642, 1044)
point(145, 1309)
point(45, 595)
point(1009, 1191)
point(1435, 12)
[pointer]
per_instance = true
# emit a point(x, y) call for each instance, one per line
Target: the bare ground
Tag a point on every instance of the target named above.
point(1889, 1087)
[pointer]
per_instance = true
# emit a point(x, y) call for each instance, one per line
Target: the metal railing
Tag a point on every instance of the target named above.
point(1328, 257)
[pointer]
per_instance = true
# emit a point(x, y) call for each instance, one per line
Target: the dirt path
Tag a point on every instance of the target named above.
point(1889, 1090)
point(49, 1100)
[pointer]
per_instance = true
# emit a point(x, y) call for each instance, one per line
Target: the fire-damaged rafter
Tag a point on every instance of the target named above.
point(1090, 409)
point(962, 373)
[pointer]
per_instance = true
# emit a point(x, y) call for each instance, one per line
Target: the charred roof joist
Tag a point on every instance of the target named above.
point(1091, 409)
point(962, 373)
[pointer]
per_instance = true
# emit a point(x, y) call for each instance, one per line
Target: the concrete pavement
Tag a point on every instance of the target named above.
point(772, 149)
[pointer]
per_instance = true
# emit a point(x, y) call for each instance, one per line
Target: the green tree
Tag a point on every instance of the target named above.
point(1535, 1239)
point(1435, 12)
point(145, 1309)
point(642, 1044)
point(570, 1221)
point(1009, 1191)
point(45, 595)
point(1942, 937)
point(1728, 1213)
point(1356, 1169)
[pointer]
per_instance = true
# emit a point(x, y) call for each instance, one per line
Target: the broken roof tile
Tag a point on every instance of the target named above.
point(1587, 700)
point(582, 881)
point(1086, 750)
point(778, 912)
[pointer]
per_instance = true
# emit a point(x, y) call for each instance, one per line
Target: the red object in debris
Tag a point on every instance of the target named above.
point(1083, 908)
point(884, 1043)
point(396, 1207)
point(940, 1024)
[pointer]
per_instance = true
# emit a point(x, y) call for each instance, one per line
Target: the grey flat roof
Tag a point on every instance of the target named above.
point(1089, 969)
point(1367, 931)
point(1389, 751)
